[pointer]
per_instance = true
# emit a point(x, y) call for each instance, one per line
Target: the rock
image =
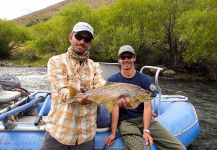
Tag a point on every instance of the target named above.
point(169, 73)
point(212, 71)
point(3, 64)
point(164, 69)
point(152, 72)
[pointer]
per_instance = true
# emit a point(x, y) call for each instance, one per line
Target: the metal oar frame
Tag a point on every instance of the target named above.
point(14, 109)
point(158, 69)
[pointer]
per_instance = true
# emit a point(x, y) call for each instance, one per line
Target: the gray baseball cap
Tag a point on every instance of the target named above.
point(126, 48)
point(82, 26)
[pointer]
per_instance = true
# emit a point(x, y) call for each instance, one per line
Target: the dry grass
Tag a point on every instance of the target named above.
point(46, 13)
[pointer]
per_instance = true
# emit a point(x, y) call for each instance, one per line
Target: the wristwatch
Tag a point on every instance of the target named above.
point(147, 131)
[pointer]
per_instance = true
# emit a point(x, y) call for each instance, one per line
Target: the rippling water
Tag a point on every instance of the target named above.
point(31, 78)
point(203, 95)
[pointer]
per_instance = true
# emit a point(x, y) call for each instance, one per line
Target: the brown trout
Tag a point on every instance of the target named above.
point(111, 92)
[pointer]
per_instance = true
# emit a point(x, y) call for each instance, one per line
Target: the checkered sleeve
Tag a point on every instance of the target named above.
point(57, 72)
point(98, 79)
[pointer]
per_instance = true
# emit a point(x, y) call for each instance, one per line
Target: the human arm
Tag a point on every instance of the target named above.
point(114, 124)
point(60, 80)
point(147, 116)
point(94, 80)
point(57, 74)
point(98, 79)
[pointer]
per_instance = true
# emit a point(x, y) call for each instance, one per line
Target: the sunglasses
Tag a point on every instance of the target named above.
point(87, 39)
point(123, 57)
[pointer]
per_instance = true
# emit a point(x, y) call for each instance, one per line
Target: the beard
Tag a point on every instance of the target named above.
point(79, 49)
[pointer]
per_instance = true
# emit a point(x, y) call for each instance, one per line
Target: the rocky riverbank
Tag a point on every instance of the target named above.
point(179, 74)
point(166, 73)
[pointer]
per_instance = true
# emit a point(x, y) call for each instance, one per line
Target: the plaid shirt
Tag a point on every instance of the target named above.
point(73, 123)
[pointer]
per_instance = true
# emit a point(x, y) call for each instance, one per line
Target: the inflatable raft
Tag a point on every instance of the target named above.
point(174, 112)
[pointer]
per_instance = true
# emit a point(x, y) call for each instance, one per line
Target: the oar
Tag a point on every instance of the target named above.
point(22, 107)
point(42, 111)
point(17, 103)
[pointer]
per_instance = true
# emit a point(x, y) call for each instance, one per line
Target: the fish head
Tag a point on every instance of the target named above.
point(141, 98)
point(134, 103)
point(144, 96)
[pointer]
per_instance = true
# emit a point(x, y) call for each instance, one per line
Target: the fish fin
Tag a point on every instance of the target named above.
point(72, 91)
point(143, 98)
point(134, 104)
point(109, 106)
point(108, 83)
point(100, 99)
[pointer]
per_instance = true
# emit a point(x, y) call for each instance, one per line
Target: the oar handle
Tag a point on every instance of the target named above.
point(37, 120)
point(21, 108)
point(17, 103)
point(41, 112)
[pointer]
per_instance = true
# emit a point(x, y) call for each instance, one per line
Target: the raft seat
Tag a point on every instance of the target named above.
point(7, 96)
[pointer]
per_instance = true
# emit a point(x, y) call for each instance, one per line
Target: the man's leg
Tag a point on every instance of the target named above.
point(84, 146)
point(131, 142)
point(163, 138)
point(51, 143)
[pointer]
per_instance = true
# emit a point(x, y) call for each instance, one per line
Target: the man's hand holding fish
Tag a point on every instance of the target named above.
point(124, 102)
point(110, 94)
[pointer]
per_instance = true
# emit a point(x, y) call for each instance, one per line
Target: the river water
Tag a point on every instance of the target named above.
point(203, 95)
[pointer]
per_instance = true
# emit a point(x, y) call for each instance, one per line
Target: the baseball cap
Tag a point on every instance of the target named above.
point(126, 48)
point(82, 26)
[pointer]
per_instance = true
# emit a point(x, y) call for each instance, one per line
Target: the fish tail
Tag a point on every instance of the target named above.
point(98, 100)
point(72, 91)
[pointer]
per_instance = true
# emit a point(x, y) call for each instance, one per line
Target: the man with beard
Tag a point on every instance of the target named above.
point(72, 126)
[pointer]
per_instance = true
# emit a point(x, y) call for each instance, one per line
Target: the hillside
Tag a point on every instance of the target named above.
point(46, 13)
